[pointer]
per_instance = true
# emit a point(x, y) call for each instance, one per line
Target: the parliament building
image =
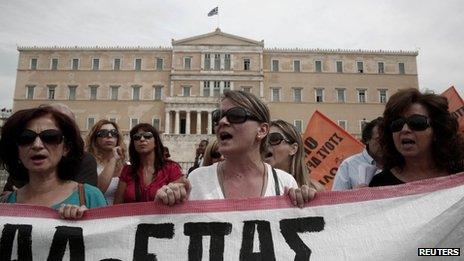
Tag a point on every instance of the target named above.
point(176, 88)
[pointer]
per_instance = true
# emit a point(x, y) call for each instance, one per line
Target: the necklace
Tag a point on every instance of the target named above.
point(221, 179)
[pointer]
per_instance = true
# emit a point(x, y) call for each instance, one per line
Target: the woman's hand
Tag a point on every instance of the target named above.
point(71, 211)
point(300, 196)
point(174, 192)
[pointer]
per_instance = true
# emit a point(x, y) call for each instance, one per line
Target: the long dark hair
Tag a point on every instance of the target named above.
point(135, 156)
point(16, 124)
point(447, 144)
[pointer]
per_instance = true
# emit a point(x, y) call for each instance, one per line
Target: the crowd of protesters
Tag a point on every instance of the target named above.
point(251, 156)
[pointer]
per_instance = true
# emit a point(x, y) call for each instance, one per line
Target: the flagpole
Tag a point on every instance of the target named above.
point(218, 17)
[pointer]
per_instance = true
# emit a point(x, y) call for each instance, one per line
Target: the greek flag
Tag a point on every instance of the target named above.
point(213, 11)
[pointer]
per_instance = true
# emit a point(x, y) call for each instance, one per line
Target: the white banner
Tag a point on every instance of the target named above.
point(385, 223)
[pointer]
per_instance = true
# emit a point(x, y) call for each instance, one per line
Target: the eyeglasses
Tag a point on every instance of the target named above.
point(215, 155)
point(106, 133)
point(233, 115)
point(276, 138)
point(51, 137)
point(415, 122)
point(145, 135)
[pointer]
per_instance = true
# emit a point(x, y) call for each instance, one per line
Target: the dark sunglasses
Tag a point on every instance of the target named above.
point(233, 115)
point(145, 135)
point(106, 133)
point(415, 122)
point(276, 138)
point(215, 155)
point(51, 137)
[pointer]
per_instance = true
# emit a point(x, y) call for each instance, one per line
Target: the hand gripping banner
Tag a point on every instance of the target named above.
point(383, 223)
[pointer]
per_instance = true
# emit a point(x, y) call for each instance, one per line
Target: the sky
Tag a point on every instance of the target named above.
point(434, 28)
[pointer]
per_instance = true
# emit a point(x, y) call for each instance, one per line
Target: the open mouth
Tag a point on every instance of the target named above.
point(225, 136)
point(269, 154)
point(408, 142)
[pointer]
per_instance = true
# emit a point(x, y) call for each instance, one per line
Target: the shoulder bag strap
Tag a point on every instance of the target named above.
point(276, 182)
point(81, 194)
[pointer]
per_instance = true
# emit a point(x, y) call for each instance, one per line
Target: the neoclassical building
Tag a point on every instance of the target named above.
point(176, 88)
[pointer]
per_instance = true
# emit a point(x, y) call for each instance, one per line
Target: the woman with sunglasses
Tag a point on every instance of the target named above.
point(285, 152)
point(212, 155)
point(419, 139)
point(107, 146)
point(41, 148)
point(241, 125)
point(149, 169)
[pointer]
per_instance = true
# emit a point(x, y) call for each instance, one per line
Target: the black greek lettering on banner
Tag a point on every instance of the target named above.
point(142, 235)
point(266, 245)
point(62, 236)
point(290, 229)
point(24, 241)
point(196, 231)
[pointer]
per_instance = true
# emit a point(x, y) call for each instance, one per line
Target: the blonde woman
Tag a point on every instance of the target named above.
point(212, 155)
point(106, 144)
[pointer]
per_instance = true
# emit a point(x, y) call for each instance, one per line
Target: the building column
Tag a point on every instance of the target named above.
point(221, 88)
point(187, 122)
point(171, 89)
point(261, 89)
point(198, 122)
point(167, 122)
point(210, 123)
point(177, 122)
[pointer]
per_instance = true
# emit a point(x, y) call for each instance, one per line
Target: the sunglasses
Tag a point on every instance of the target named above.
point(276, 138)
point(215, 155)
point(106, 133)
point(51, 137)
point(233, 115)
point(145, 135)
point(415, 122)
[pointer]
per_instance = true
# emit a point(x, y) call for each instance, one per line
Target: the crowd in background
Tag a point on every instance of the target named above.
point(49, 164)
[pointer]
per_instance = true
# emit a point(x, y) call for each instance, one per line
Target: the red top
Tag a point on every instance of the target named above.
point(170, 172)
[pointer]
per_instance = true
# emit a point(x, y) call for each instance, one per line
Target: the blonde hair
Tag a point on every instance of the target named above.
point(91, 142)
point(212, 146)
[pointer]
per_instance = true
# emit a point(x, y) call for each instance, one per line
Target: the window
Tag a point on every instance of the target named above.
point(54, 65)
point(206, 89)
point(297, 94)
point(75, 64)
point(298, 125)
point(51, 92)
point(30, 92)
point(187, 63)
point(93, 92)
point(246, 89)
point(296, 65)
point(136, 92)
point(114, 93)
point(33, 64)
point(275, 65)
point(156, 123)
point(360, 67)
point(138, 64)
point(96, 64)
point(362, 96)
point(158, 93)
point(339, 67)
point(246, 64)
point(217, 62)
point(72, 92)
point(342, 124)
point(117, 64)
point(133, 122)
point(159, 64)
point(275, 94)
point(383, 96)
point(226, 86)
point(186, 91)
point(381, 67)
point(341, 95)
point(207, 61)
point(401, 68)
point(318, 65)
point(319, 95)
point(216, 88)
point(227, 62)
point(90, 122)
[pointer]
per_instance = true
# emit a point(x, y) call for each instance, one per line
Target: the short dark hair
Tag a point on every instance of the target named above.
point(16, 124)
point(367, 130)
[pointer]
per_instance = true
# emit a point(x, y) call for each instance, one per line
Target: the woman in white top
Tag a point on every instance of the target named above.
point(241, 125)
point(105, 143)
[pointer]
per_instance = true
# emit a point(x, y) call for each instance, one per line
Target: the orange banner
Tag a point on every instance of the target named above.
point(455, 105)
point(326, 145)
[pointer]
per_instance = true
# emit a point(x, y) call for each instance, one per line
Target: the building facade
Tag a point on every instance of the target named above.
point(177, 88)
